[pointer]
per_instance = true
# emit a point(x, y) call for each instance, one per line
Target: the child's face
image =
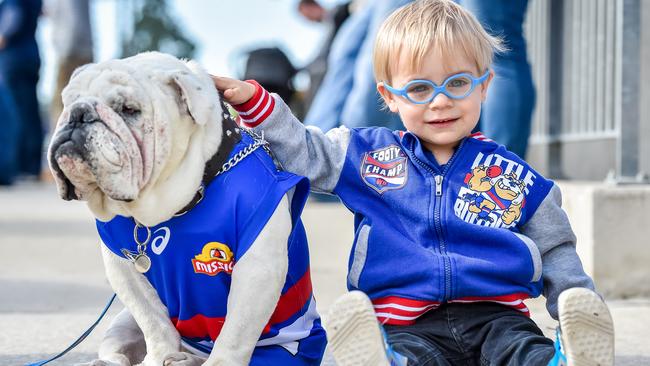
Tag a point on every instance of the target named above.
point(443, 122)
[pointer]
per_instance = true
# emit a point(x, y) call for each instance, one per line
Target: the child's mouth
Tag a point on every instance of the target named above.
point(442, 122)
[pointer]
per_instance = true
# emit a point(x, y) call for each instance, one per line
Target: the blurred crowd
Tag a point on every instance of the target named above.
point(342, 88)
point(22, 130)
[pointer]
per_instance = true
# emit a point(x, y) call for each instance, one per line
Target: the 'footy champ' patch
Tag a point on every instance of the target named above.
point(384, 169)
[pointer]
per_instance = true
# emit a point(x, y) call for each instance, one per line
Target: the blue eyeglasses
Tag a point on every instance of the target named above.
point(456, 86)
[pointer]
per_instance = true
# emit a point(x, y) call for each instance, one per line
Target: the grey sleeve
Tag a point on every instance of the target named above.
point(306, 151)
point(562, 269)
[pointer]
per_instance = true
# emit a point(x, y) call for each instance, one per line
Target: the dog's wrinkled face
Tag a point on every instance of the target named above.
point(124, 122)
point(100, 138)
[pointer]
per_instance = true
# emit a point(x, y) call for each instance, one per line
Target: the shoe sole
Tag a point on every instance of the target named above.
point(586, 327)
point(353, 332)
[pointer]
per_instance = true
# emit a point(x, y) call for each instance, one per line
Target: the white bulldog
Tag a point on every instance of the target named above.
point(134, 140)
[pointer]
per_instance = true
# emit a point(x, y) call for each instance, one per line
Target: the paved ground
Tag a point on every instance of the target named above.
point(52, 284)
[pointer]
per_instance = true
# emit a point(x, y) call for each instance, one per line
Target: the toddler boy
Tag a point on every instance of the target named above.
point(452, 231)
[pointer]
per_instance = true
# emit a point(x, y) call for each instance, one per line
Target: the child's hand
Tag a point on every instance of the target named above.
point(234, 91)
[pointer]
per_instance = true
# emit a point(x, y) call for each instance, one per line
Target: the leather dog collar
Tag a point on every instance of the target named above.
point(230, 136)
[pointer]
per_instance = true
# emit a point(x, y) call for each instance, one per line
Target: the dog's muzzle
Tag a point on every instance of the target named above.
point(70, 142)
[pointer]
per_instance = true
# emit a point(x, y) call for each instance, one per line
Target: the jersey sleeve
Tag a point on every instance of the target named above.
point(258, 193)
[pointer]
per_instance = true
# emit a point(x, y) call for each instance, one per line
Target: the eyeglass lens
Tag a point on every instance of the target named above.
point(458, 86)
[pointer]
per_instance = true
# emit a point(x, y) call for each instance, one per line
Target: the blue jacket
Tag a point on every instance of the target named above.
point(449, 224)
point(485, 227)
point(193, 256)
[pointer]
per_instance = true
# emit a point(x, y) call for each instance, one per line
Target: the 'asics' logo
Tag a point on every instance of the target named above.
point(159, 243)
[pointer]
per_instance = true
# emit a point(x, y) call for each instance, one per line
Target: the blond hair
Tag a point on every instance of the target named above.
point(414, 29)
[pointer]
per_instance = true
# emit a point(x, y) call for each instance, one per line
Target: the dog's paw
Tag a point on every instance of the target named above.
point(183, 359)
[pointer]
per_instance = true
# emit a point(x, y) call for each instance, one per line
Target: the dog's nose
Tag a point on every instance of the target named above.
point(83, 112)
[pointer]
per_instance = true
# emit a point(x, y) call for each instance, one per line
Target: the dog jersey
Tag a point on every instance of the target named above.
point(193, 256)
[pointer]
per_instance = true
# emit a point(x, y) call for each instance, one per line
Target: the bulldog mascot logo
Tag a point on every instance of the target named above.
point(493, 197)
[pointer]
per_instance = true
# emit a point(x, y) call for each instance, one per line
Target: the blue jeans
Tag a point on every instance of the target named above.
point(507, 111)
point(348, 95)
point(471, 334)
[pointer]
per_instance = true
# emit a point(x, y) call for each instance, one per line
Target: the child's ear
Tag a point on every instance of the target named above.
point(485, 85)
point(387, 96)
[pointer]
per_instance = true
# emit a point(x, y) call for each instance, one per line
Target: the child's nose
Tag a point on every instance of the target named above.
point(440, 101)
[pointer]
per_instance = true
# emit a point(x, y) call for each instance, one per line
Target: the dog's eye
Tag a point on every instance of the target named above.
point(130, 111)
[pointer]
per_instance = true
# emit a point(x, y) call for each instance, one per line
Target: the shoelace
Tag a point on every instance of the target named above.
point(394, 358)
point(559, 359)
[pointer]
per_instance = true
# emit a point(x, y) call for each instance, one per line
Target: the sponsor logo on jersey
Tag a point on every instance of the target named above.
point(214, 258)
point(385, 169)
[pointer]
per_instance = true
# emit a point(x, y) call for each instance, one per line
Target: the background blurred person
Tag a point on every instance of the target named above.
point(73, 43)
point(506, 116)
point(348, 94)
point(19, 72)
point(8, 136)
point(333, 18)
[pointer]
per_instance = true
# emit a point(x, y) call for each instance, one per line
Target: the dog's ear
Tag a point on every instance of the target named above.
point(197, 94)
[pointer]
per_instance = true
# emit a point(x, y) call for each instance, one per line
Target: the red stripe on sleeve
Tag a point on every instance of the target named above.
point(258, 108)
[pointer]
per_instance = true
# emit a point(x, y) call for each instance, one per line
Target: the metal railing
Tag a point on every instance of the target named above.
point(585, 60)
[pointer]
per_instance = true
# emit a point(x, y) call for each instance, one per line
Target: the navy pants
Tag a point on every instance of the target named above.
point(19, 79)
point(9, 129)
point(471, 334)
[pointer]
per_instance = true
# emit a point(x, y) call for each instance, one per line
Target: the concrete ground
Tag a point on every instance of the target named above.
point(52, 285)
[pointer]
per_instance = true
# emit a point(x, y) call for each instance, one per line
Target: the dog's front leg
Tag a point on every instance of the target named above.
point(257, 281)
point(142, 301)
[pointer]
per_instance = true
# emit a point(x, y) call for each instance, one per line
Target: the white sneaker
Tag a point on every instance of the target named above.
point(586, 328)
point(354, 335)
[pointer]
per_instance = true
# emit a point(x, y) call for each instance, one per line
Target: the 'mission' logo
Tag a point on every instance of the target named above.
point(214, 258)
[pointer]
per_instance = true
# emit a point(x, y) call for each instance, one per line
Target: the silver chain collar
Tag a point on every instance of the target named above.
point(140, 260)
point(258, 140)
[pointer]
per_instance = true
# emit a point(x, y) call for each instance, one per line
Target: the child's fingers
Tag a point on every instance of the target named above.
point(229, 93)
point(223, 83)
point(234, 91)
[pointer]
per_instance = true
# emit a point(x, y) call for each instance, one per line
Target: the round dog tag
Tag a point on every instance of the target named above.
point(142, 263)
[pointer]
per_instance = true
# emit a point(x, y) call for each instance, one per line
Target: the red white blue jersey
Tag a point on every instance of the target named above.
point(193, 256)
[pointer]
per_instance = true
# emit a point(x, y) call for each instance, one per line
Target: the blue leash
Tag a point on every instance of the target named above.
point(79, 340)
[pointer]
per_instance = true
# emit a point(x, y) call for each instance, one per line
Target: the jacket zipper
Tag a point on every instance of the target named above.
point(437, 220)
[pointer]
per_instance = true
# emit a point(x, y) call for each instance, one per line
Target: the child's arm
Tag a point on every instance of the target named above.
point(306, 151)
point(550, 229)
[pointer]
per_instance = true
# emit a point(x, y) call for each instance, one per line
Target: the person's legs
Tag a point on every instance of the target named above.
point(501, 334)
point(356, 339)
point(32, 135)
point(8, 136)
point(507, 111)
point(22, 79)
point(417, 350)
